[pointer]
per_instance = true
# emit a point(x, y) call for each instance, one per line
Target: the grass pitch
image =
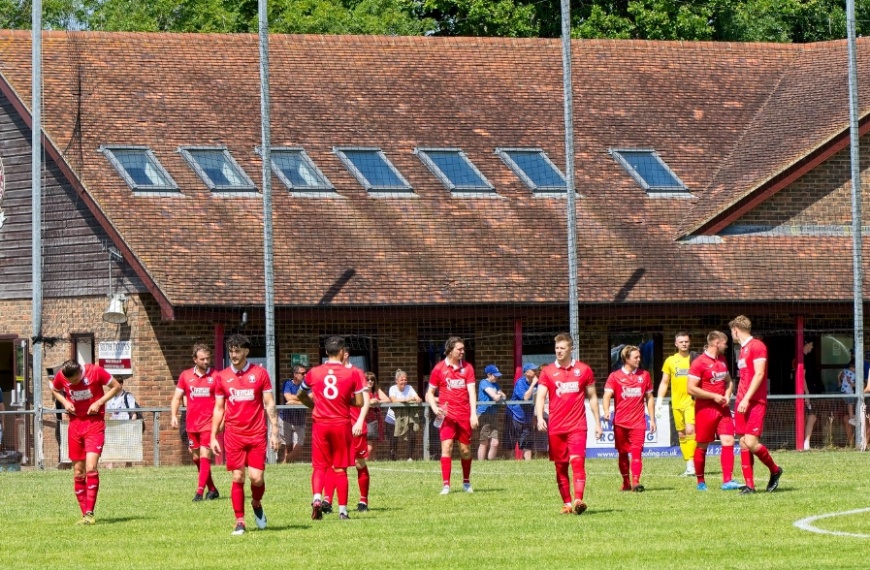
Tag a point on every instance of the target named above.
point(145, 519)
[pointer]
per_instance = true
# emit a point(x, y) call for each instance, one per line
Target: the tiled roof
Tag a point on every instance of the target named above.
point(700, 105)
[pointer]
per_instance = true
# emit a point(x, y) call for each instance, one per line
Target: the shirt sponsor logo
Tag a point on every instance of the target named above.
point(682, 371)
point(455, 383)
point(718, 377)
point(241, 395)
point(200, 392)
point(631, 392)
point(567, 388)
point(81, 395)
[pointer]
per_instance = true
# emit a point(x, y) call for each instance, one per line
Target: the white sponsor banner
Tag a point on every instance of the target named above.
point(116, 356)
point(660, 439)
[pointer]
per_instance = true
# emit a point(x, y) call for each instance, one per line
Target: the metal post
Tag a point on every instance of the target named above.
point(426, 454)
point(573, 301)
point(36, 228)
point(857, 236)
point(268, 254)
point(156, 428)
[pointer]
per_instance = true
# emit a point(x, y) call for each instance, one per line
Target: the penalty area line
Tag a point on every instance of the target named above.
point(807, 523)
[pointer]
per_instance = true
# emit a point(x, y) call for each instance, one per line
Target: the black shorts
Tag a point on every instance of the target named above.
point(519, 433)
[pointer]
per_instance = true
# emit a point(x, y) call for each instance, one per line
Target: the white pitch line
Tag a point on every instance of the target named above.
point(806, 524)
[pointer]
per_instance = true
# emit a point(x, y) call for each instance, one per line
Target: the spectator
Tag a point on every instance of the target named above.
point(846, 382)
point(519, 417)
point(293, 432)
point(375, 418)
point(812, 385)
point(121, 401)
point(406, 418)
point(488, 391)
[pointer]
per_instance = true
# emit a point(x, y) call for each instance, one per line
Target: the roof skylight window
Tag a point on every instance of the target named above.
point(454, 169)
point(649, 170)
point(139, 168)
point(218, 169)
point(297, 171)
point(372, 168)
point(534, 168)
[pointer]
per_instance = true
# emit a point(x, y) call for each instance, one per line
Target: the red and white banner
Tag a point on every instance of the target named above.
point(116, 357)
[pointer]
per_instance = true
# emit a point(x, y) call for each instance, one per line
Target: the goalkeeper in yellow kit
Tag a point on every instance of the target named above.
point(675, 372)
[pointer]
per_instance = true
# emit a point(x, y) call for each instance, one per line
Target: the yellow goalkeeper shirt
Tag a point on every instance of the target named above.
point(677, 368)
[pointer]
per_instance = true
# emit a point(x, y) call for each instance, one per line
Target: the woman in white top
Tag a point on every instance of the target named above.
point(405, 424)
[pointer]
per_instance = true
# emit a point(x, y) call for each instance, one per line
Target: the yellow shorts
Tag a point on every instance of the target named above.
point(683, 416)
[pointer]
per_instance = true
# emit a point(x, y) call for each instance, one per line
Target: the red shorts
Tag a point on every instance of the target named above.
point(243, 451)
point(712, 420)
point(199, 439)
point(752, 422)
point(331, 446)
point(360, 447)
point(454, 430)
point(85, 437)
point(564, 445)
point(628, 438)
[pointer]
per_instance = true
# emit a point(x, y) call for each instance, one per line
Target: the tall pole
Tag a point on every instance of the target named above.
point(574, 309)
point(268, 250)
point(36, 227)
point(857, 237)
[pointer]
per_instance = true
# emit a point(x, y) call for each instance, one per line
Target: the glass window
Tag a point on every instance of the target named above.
point(454, 169)
point(140, 168)
point(534, 168)
point(217, 169)
point(297, 171)
point(372, 169)
point(649, 170)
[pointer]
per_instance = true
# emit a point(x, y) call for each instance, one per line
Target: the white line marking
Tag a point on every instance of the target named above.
point(806, 524)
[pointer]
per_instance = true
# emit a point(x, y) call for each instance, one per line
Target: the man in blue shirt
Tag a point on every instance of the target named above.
point(293, 432)
point(520, 416)
point(488, 391)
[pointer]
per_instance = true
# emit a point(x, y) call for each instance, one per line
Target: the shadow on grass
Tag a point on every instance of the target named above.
point(117, 520)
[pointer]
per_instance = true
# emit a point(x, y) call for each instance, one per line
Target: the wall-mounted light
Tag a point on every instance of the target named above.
point(115, 314)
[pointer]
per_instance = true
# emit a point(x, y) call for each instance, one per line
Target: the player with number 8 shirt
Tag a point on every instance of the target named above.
point(331, 389)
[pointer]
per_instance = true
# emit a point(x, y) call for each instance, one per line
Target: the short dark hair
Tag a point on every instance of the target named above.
point(200, 347)
point(299, 368)
point(238, 341)
point(334, 345)
point(451, 343)
point(681, 333)
point(70, 368)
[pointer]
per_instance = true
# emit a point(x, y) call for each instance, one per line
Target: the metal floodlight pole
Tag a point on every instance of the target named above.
point(574, 309)
point(857, 224)
point(36, 226)
point(268, 249)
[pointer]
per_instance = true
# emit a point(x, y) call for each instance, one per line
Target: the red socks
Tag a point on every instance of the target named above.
point(80, 488)
point(623, 470)
point(362, 477)
point(257, 492)
point(727, 459)
point(317, 478)
point(562, 482)
point(764, 456)
point(445, 470)
point(237, 494)
point(93, 487)
point(329, 480)
point(204, 475)
point(340, 478)
point(701, 463)
point(636, 465)
point(578, 467)
point(746, 466)
point(466, 470)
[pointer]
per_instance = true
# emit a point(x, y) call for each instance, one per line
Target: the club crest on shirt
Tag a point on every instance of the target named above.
point(576, 372)
point(252, 378)
point(85, 381)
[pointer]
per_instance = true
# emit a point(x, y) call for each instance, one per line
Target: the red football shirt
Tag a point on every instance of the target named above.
point(200, 393)
point(567, 390)
point(332, 386)
point(712, 372)
point(354, 411)
point(452, 384)
point(242, 391)
point(86, 392)
point(753, 350)
point(629, 396)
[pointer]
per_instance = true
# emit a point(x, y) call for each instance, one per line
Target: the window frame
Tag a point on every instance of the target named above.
point(109, 152)
point(327, 188)
point(364, 182)
point(503, 153)
point(248, 186)
point(423, 154)
point(616, 153)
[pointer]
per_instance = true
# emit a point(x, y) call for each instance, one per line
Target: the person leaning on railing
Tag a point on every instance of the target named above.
point(407, 419)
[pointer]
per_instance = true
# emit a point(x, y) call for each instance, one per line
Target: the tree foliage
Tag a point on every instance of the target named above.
point(716, 20)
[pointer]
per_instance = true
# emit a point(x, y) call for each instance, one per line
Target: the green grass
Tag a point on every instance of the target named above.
point(145, 519)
